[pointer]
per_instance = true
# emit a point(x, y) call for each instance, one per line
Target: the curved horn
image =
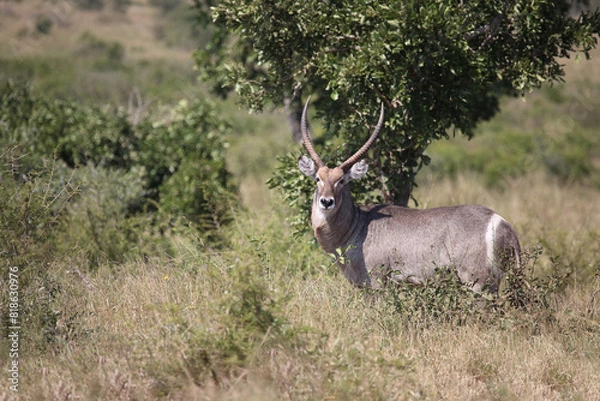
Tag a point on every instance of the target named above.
point(306, 138)
point(345, 166)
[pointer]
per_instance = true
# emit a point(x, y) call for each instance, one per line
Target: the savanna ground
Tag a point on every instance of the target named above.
point(264, 314)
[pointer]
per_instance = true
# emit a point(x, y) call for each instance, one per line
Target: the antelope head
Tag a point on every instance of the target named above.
point(332, 182)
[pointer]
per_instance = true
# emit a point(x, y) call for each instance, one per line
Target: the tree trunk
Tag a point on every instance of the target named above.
point(402, 195)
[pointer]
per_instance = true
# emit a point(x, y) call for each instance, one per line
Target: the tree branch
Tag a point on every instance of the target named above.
point(490, 30)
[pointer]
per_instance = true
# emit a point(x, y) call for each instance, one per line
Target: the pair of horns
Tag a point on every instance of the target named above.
point(352, 160)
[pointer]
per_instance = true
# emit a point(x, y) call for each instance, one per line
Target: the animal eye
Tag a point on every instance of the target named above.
point(317, 179)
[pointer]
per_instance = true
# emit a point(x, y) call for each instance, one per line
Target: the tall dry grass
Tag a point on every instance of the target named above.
point(190, 326)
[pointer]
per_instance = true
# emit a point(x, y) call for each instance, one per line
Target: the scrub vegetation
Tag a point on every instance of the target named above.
point(154, 262)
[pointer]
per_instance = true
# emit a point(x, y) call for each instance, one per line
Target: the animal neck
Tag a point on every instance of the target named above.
point(334, 229)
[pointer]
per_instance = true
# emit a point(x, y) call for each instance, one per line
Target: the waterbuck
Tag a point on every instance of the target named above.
point(390, 243)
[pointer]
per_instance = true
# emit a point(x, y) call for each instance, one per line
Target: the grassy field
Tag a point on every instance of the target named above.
point(268, 317)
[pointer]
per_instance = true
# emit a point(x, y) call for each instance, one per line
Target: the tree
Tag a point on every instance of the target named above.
point(438, 66)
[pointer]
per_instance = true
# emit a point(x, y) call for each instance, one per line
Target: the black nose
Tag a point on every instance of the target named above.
point(326, 202)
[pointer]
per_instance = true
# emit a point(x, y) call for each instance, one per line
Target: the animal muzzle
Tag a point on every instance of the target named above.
point(326, 203)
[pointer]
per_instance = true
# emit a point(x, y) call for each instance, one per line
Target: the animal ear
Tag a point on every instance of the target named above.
point(358, 170)
point(307, 166)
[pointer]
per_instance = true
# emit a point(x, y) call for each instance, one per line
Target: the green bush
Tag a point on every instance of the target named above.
point(178, 162)
point(76, 134)
point(184, 160)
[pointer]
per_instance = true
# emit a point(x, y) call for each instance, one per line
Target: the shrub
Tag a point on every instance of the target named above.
point(444, 299)
point(184, 160)
point(30, 213)
point(523, 300)
point(98, 225)
point(43, 25)
point(178, 162)
point(249, 321)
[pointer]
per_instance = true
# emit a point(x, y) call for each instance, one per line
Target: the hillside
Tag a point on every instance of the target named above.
point(42, 27)
point(103, 55)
